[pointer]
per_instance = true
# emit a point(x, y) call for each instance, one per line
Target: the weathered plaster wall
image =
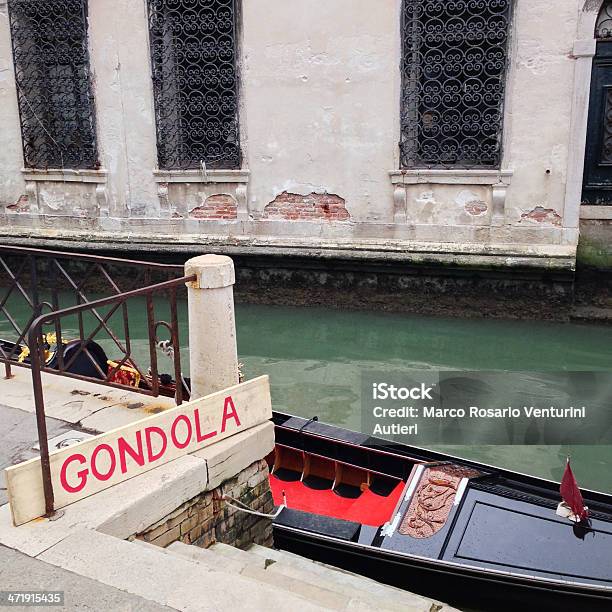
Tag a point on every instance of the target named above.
point(538, 111)
point(449, 205)
point(321, 94)
point(123, 91)
point(12, 186)
point(66, 199)
point(319, 113)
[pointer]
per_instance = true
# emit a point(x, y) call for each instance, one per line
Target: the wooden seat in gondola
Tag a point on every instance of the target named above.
point(351, 481)
point(382, 485)
point(286, 463)
point(334, 488)
point(319, 472)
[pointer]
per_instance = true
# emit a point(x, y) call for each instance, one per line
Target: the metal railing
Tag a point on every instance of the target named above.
point(46, 342)
point(38, 280)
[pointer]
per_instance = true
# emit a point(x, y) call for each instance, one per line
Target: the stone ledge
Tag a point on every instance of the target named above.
point(451, 177)
point(231, 456)
point(211, 465)
point(126, 508)
point(199, 176)
point(596, 213)
point(134, 505)
point(259, 241)
point(562, 261)
point(65, 175)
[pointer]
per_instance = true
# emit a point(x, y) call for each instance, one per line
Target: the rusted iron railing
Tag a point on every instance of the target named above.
point(149, 382)
point(81, 357)
point(38, 280)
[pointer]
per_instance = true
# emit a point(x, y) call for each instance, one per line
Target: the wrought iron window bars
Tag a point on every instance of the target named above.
point(603, 27)
point(453, 79)
point(53, 83)
point(195, 84)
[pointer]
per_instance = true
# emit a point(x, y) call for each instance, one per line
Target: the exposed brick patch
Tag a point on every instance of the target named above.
point(476, 207)
point(22, 205)
point(542, 215)
point(206, 518)
point(314, 206)
point(218, 206)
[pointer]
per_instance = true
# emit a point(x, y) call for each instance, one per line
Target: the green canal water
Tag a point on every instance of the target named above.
point(315, 358)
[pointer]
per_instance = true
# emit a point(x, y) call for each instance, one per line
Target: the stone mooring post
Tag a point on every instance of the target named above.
point(236, 467)
point(213, 353)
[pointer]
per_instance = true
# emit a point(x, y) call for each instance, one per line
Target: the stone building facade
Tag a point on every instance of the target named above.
point(350, 127)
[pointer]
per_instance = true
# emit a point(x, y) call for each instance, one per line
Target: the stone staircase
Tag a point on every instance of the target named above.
point(225, 579)
point(323, 586)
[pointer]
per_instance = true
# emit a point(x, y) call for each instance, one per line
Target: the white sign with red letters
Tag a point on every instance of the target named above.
point(110, 458)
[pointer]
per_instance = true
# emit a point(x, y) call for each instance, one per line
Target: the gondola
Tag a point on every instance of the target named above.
point(92, 363)
point(465, 533)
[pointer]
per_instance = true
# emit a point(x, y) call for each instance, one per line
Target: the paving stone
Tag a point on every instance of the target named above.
point(20, 572)
point(19, 435)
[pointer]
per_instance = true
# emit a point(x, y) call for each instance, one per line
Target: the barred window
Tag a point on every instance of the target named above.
point(52, 73)
point(193, 54)
point(603, 27)
point(453, 77)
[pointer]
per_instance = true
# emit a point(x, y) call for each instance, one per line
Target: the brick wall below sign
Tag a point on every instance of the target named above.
point(206, 518)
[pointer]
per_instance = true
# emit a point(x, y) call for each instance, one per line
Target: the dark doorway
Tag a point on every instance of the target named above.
point(597, 184)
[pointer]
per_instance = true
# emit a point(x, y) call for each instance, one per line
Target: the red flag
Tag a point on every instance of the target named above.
point(570, 492)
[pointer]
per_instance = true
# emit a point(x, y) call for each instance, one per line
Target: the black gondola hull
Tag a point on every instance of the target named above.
point(455, 585)
point(502, 545)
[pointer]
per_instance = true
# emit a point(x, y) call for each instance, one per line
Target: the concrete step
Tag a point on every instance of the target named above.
point(288, 567)
point(242, 564)
point(159, 576)
point(208, 557)
point(392, 596)
point(231, 552)
point(289, 571)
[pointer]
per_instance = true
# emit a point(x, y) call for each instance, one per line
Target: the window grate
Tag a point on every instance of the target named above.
point(193, 56)
point(52, 73)
point(453, 79)
point(603, 27)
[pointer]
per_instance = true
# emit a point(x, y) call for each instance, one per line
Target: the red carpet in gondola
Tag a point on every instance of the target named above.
point(368, 509)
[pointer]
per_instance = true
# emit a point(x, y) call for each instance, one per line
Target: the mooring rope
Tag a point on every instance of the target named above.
point(244, 508)
point(165, 346)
